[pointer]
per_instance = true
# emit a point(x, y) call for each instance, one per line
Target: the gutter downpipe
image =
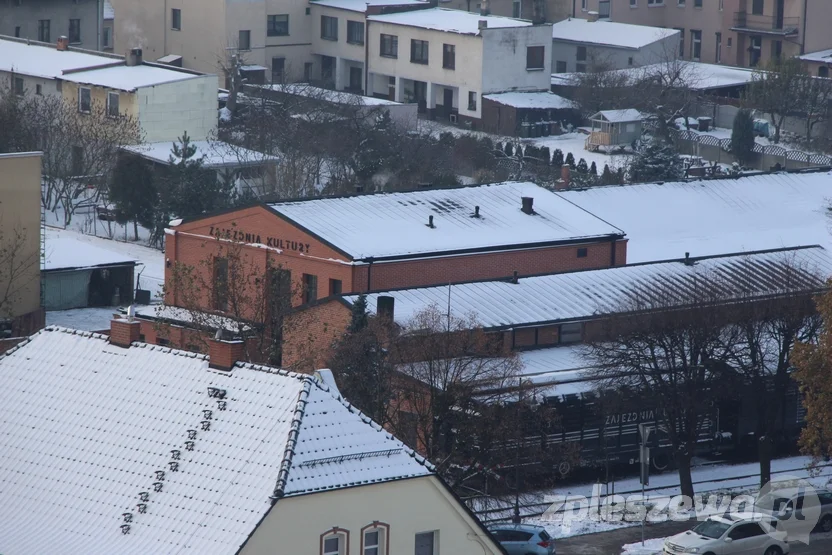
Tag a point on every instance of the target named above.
point(366, 54)
point(369, 273)
point(803, 33)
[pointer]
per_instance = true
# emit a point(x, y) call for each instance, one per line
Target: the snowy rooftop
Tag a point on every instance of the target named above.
point(561, 369)
point(396, 224)
point(174, 314)
point(97, 437)
point(531, 100)
point(715, 217)
point(619, 116)
point(336, 97)
point(68, 251)
point(41, 60)
point(587, 294)
point(362, 5)
point(697, 75)
point(608, 33)
point(450, 21)
point(822, 56)
point(218, 154)
point(128, 78)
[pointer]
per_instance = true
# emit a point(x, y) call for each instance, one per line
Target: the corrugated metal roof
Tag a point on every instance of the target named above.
point(582, 295)
point(97, 437)
point(396, 224)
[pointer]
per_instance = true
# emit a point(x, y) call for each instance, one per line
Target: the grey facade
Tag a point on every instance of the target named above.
point(46, 20)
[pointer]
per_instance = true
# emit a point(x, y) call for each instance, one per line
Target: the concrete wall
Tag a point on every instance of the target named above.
point(58, 12)
point(143, 25)
point(166, 110)
point(20, 213)
point(408, 507)
point(504, 59)
point(612, 57)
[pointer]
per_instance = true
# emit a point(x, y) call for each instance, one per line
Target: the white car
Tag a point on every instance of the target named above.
point(782, 502)
point(740, 534)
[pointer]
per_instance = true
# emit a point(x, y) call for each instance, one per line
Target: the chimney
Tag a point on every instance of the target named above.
point(592, 16)
point(485, 9)
point(514, 278)
point(688, 261)
point(385, 307)
point(63, 43)
point(482, 24)
point(134, 57)
point(565, 178)
point(476, 211)
point(430, 222)
point(125, 331)
point(222, 354)
point(528, 205)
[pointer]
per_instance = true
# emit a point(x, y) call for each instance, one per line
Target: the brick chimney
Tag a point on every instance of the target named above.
point(223, 354)
point(63, 43)
point(124, 331)
point(385, 307)
point(565, 178)
point(592, 16)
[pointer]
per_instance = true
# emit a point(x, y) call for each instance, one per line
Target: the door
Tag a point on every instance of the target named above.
point(448, 101)
point(424, 544)
point(356, 79)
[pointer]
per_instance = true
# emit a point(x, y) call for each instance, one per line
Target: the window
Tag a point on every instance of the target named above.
point(776, 49)
point(74, 31)
point(744, 531)
point(310, 288)
point(278, 68)
point(277, 25)
point(655, 2)
point(84, 100)
point(630, 61)
point(634, 3)
point(571, 333)
point(560, 67)
point(823, 71)
point(220, 283)
point(389, 47)
point(721, 5)
point(681, 41)
point(112, 104)
point(583, 5)
point(730, 41)
point(681, 3)
point(38, 90)
point(757, 7)
point(374, 539)
point(43, 30)
point(515, 9)
point(418, 51)
point(335, 286)
point(448, 56)
point(582, 252)
point(472, 101)
point(355, 32)
point(755, 51)
point(695, 45)
point(18, 86)
point(581, 55)
point(425, 543)
point(106, 37)
point(329, 27)
point(17, 31)
point(697, 3)
point(718, 54)
point(534, 57)
point(244, 40)
point(176, 19)
point(335, 542)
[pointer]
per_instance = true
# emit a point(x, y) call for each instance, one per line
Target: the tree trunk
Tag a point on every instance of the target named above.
point(683, 464)
point(764, 450)
point(135, 230)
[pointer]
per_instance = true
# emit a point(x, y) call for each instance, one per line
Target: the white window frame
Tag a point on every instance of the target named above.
point(380, 547)
point(583, 5)
point(695, 40)
point(343, 537)
point(81, 97)
point(634, 3)
point(110, 96)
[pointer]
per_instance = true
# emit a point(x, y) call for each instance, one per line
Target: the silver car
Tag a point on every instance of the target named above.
point(523, 539)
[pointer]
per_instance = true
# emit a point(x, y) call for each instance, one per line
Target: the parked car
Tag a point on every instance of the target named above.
point(781, 503)
point(745, 534)
point(523, 539)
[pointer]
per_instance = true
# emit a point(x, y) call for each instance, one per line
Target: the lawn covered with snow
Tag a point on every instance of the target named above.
point(650, 547)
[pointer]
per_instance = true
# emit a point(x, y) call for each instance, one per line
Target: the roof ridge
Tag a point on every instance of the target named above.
point(291, 441)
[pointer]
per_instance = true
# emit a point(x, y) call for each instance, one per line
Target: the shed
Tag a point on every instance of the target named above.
point(614, 128)
point(527, 114)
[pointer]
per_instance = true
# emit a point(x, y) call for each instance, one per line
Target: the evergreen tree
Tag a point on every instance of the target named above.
point(133, 192)
point(593, 169)
point(557, 158)
point(545, 155)
point(657, 161)
point(487, 144)
point(607, 178)
point(358, 315)
point(582, 167)
point(570, 160)
point(509, 150)
point(742, 136)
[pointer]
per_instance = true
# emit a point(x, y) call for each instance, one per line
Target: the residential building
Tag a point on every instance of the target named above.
point(81, 21)
point(446, 60)
point(108, 29)
point(165, 100)
point(21, 311)
point(535, 10)
point(585, 44)
point(818, 63)
point(745, 33)
point(250, 459)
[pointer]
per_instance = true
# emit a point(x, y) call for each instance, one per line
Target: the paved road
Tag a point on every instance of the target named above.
point(609, 543)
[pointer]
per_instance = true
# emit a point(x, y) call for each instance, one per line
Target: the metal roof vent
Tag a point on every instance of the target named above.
point(430, 222)
point(528, 205)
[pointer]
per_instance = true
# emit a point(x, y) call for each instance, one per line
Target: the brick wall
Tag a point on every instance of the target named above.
point(309, 335)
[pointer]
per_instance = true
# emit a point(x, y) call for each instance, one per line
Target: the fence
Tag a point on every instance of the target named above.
point(764, 157)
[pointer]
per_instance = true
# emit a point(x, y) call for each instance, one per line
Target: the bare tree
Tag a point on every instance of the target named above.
point(817, 95)
point(778, 90)
point(17, 262)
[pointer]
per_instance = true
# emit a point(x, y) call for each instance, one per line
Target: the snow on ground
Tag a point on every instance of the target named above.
point(87, 319)
point(650, 547)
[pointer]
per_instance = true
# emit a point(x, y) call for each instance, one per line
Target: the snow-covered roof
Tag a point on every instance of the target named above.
point(396, 224)
point(336, 97)
point(218, 154)
point(608, 33)
point(109, 12)
point(715, 217)
point(584, 295)
point(362, 5)
point(97, 438)
point(178, 315)
point(542, 100)
point(695, 75)
point(46, 61)
point(128, 78)
point(821, 56)
point(557, 370)
point(66, 251)
point(620, 116)
point(450, 21)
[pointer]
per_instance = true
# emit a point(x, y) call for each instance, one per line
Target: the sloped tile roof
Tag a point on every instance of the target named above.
point(148, 450)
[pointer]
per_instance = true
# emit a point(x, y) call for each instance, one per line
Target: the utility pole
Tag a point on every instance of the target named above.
point(644, 464)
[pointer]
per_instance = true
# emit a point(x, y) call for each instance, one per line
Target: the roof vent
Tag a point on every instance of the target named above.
point(688, 261)
point(515, 279)
point(134, 57)
point(477, 212)
point(528, 205)
point(482, 23)
point(430, 222)
point(63, 43)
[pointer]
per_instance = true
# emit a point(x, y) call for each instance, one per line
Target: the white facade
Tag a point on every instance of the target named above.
point(166, 111)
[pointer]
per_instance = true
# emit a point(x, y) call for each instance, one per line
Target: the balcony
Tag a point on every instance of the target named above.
point(745, 22)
